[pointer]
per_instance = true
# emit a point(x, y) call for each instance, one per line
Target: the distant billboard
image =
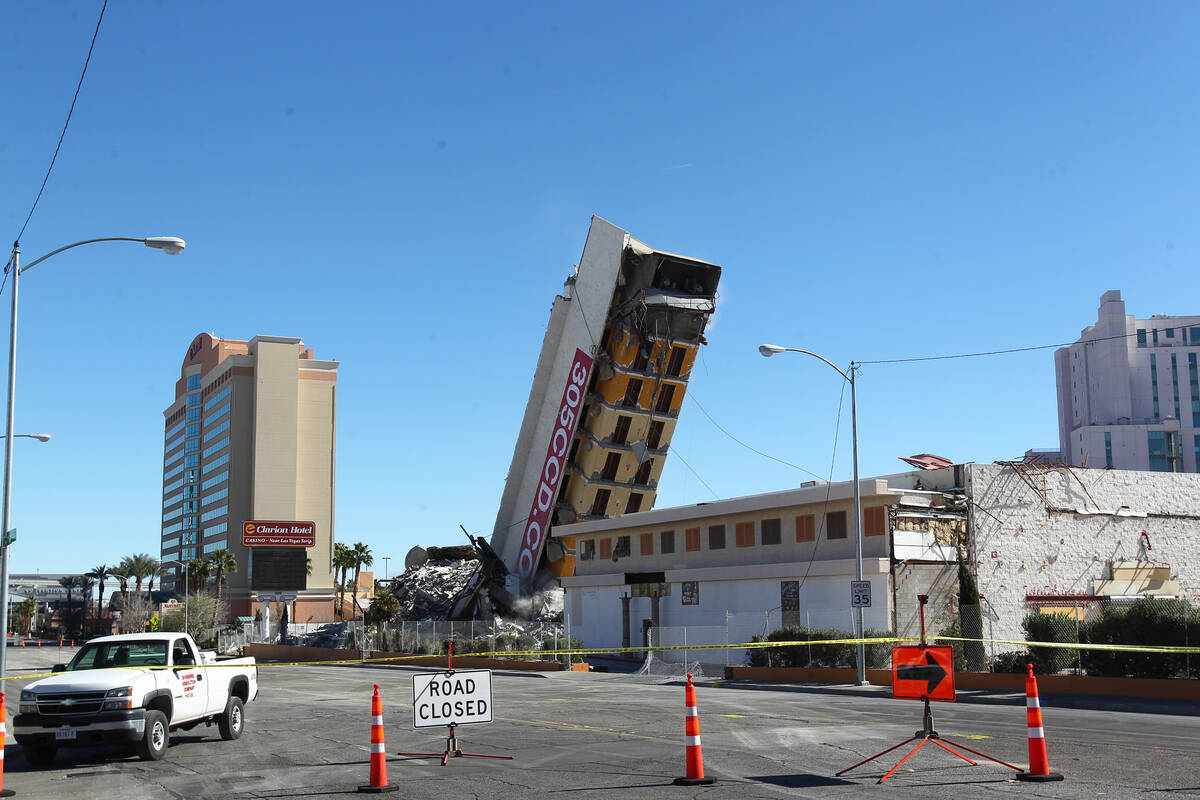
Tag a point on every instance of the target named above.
point(274, 533)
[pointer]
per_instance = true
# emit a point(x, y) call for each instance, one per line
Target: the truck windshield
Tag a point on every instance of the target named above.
point(103, 655)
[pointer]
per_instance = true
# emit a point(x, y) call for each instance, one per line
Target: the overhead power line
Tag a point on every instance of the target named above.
point(998, 352)
point(70, 111)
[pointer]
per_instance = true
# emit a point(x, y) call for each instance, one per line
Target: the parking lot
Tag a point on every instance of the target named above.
point(594, 734)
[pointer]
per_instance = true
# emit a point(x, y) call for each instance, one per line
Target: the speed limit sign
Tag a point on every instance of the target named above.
point(860, 594)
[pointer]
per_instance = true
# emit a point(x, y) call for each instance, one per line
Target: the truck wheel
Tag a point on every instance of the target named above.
point(153, 745)
point(39, 755)
point(230, 723)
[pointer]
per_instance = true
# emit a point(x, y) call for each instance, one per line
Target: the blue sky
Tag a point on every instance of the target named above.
point(406, 187)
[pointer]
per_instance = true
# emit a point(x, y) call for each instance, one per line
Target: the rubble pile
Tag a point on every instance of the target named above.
point(431, 590)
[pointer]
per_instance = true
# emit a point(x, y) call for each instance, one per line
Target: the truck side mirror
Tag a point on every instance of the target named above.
point(59, 668)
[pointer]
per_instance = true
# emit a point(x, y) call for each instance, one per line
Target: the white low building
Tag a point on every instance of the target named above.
point(1034, 535)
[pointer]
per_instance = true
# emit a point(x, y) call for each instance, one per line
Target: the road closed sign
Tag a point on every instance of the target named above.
point(452, 698)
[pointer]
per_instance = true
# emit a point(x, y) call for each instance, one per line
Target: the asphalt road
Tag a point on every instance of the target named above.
point(606, 735)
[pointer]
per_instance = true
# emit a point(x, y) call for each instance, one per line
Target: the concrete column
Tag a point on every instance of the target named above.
point(625, 620)
point(654, 611)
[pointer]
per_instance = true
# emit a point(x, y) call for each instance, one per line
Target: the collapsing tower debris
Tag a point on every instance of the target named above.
point(606, 395)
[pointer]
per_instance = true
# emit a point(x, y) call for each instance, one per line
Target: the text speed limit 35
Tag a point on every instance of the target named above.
point(452, 698)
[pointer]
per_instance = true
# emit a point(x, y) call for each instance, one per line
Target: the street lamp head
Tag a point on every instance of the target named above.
point(41, 437)
point(768, 350)
point(171, 245)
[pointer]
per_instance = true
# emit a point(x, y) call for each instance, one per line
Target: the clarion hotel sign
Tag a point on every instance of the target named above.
point(274, 533)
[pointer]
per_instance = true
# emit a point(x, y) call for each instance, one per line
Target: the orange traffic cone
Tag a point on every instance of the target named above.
point(3, 717)
point(691, 728)
point(1039, 763)
point(378, 755)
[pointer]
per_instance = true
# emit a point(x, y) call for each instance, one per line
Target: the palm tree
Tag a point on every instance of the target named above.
point(68, 583)
point(198, 572)
point(142, 566)
point(222, 561)
point(361, 554)
point(98, 574)
point(154, 570)
point(342, 561)
point(121, 572)
point(84, 584)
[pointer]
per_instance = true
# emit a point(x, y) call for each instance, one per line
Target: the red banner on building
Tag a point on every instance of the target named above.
point(565, 423)
point(274, 533)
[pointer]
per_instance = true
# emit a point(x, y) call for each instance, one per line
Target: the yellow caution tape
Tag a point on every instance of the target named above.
point(579, 652)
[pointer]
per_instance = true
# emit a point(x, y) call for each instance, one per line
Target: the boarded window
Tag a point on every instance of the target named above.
point(835, 525)
point(666, 542)
point(654, 437)
point(587, 550)
point(633, 390)
point(675, 364)
point(874, 521)
point(770, 531)
point(666, 394)
point(646, 540)
point(606, 548)
point(744, 534)
point(611, 465)
point(635, 503)
point(600, 504)
point(805, 528)
point(691, 539)
point(621, 431)
point(716, 537)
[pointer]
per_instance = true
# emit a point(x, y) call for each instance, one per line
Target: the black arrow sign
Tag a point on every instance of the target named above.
point(933, 673)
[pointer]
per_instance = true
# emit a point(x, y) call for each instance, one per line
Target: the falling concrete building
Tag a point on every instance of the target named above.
point(606, 395)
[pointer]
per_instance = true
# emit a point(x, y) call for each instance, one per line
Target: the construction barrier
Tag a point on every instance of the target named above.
point(1039, 762)
point(379, 782)
point(693, 753)
point(3, 730)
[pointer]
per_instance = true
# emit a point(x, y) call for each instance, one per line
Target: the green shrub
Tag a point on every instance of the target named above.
point(1147, 621)
point(1051, 628)
point(1012, 661)
point(818, 655)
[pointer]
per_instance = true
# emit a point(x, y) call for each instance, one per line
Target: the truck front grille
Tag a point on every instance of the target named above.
point(74, 703)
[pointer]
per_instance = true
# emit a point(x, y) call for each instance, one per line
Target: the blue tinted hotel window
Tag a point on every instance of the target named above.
point(1170, 333)
point(191, 445)
point(1157, 443)
point(193, 400)
point(1155, 332)
point(1141, 336)
point(193, 429)
point(193, 414)
point(193, 382)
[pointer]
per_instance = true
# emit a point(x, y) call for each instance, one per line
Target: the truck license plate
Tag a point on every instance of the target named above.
point(66, 732)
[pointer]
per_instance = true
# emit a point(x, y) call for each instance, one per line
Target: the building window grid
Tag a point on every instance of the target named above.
point(174, 429)
point(1196, 453)
point(173, 499)
point(171, 445)
point(219, 461)
point(171, 459)
point(1108, 462)
point(222, 511)
point(193, 382)
point(193, 400)
point(172, 514)
point(175, 528)
point(1194, 385)
point(1175, 383)
point(193, 414)
point(220, 494)
point(1154, 384)
point(171, 473)
point(173, 486)
point(215, 446)
point(213, 401)
point(215, 431)
point(209, 419)
point(214, 480)
point(171, 543)
point(213, 530)
point(217, 545)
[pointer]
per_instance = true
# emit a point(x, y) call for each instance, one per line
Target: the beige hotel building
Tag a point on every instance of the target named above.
point(251, 436)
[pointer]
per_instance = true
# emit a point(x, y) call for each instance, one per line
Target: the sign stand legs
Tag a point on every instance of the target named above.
point(927, 733)
point(452, 747)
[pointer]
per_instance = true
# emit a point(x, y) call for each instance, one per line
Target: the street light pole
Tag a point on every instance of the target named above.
point(768, 350)
point(169, 244)
point(185, 590)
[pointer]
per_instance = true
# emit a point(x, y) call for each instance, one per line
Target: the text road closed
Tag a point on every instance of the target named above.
point(459, 698)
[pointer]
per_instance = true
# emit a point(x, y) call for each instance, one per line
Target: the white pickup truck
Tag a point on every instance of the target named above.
point(134, 688)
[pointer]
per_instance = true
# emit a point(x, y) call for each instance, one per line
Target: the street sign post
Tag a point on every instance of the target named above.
point(860, 594)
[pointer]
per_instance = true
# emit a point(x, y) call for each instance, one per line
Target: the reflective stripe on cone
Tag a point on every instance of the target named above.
point(379, 781)
point(1039, 762)
point(694, 755)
